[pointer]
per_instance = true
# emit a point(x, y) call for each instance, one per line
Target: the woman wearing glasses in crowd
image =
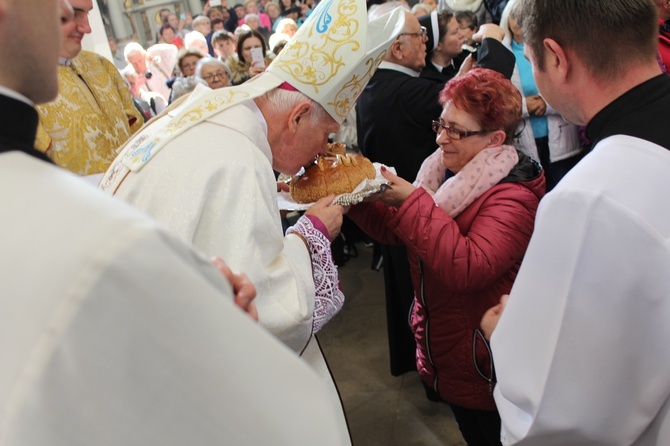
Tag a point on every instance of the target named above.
point(187, 61)
point(466, 222)
point(214, 72)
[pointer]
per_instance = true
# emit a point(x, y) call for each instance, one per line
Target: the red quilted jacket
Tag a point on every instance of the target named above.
point(460, 268)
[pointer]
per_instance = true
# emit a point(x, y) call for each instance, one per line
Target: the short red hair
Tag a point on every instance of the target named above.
point(487, 95)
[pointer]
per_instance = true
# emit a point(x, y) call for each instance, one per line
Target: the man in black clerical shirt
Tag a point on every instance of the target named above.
point(597, 263)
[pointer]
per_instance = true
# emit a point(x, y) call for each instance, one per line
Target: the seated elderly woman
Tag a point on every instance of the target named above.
point(214, 72)
point(245, 67)
point(187, 61)
point(466, 223)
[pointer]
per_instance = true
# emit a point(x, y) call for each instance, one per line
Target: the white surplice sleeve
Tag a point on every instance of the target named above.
point(581, 349)
point(155, 353)
point(328, 299)
point(114, 332)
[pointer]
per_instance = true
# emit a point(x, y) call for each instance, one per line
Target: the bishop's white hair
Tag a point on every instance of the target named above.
point(283, 101)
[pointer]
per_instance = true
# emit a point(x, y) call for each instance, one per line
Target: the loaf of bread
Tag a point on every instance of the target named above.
point(336, 173)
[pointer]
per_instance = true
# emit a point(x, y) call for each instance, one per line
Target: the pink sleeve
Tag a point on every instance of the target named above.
point(318, 225)
point(265, 21)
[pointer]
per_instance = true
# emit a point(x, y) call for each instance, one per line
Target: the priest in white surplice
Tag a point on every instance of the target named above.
point(581, 351)
point(112, 330)
point(206, 168)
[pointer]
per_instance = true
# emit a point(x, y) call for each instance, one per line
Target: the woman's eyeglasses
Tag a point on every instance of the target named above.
point(453, 133)
point(220, 74)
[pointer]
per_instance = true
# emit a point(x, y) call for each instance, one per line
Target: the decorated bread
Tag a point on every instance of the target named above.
point(336, 172)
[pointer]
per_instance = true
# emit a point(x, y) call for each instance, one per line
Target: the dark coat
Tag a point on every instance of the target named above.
point(394, 118)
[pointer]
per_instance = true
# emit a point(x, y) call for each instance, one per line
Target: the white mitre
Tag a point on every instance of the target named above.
point(330, 59)
point(335, 53)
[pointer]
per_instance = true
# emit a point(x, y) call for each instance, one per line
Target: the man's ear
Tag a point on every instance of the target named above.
point(396, 49)
point(496, 138)
point(556, 59)
point(298, 114)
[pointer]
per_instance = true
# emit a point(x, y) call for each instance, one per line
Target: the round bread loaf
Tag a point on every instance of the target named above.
point(336, 173)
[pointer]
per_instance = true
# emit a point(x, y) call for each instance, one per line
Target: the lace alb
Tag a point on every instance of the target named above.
point(328, 296)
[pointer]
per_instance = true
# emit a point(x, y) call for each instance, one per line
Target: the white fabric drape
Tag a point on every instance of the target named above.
point(580, 350)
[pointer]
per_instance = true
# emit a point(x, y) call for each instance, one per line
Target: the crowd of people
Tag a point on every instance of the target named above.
point(525, 249)
point(219, 32)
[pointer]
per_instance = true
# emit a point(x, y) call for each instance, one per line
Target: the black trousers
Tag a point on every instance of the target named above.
point(399, 297)
point(478, 427)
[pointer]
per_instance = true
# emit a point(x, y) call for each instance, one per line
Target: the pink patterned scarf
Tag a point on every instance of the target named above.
point(483, 172)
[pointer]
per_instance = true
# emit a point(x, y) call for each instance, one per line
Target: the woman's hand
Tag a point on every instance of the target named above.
point(136, 81)
point(536, 105)
point(282, 187)
point(489, 30)
point(492, 316)
point(400, 189)
point(182, 23)
point(255, 69)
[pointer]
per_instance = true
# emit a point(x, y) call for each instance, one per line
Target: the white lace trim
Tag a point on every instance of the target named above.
point(328, 299)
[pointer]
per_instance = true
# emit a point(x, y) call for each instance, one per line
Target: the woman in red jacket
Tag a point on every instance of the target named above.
point(466, 222)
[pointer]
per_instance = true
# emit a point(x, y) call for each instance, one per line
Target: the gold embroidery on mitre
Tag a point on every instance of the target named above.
point(352, 89)
point(317, 63)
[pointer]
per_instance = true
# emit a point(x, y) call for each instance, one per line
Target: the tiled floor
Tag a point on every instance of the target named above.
point(382, 410)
